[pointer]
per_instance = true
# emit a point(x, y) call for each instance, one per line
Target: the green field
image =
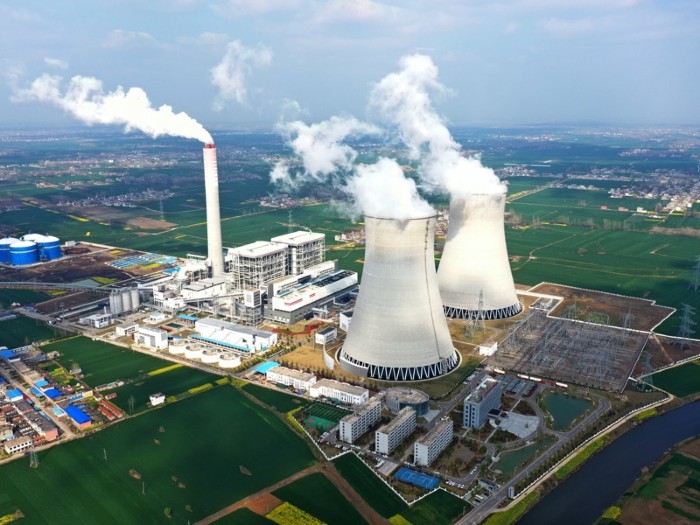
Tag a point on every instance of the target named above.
point(680, 381)
point(206, 439)
point(275, 398)
point(440, 508)
point(24, 330)
point(171, 383)
point(103, 363)
point(316, 495)
point(368, 486)
point(23, 297)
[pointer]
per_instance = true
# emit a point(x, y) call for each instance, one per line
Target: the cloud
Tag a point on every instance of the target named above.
point(237, 8)
point(564, 27)
point(355, 10)
point(122, 38)
point(86, 100)
point(205, 39)
point(229, 75)
point(56, 63)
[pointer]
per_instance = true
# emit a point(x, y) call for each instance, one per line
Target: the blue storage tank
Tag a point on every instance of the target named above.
point(49, 248)
point(23, 252)
point(5, 248)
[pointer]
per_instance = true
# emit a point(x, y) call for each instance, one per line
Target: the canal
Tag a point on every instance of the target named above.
point(583, 497)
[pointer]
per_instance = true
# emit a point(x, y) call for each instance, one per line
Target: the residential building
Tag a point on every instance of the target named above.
point(356, 424)
point(297, 379)
point(431, 445)
point(343, 392)
point(391, 435)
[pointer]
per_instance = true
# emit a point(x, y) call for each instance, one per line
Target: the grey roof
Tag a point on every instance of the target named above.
point(217, 323)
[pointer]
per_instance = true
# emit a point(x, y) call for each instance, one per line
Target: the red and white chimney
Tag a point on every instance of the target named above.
point(211, 186)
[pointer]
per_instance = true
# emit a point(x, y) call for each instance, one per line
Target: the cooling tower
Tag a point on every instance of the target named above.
point(474, 274)
point(211, 187)
point(398, 330)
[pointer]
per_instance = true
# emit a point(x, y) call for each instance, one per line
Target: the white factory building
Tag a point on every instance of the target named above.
point(344, 320)
point(431, 445)
point(391, 435)
point(257, 263)
point(293, 298)
point(231, 335)
point(326, 335)
point(356, 424)
point(304, 249)
point(343, 392)
point(480, 401)
point(297, 379)
point(151, 337)
point(125, 329)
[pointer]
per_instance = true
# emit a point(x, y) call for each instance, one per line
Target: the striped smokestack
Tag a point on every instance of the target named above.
point(211, 185)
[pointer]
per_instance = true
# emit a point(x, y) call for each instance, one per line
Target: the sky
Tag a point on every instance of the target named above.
point(251, 63)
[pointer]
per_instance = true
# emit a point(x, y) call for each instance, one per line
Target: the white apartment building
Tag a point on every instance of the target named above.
point(391, 435)
point(431, 445)
point(354, 425)
point(343, 392)
point(288, 376)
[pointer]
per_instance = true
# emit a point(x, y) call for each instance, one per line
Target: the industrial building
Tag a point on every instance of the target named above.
point(29, 249)
point(102, 320)
point(234, 336)
point(398, 398)
point(304, 250)
point(124, 300)
point(356, 424)
point(399, 331)
point(125, 329)
point(326, 335)
point(391, 435)
point(343, 392)
point(297, 379)
point(215, 249)
point(151, 337)
point(428, 447)
point(294, 298)
point(474, 274)
point(344, 319)
point(480, 401)
point(256, 264)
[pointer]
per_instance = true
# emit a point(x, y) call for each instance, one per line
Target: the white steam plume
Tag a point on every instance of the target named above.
point(404, 99)
point(382, 190)
point(229, 75)
point(86, 100)
point(320, 147)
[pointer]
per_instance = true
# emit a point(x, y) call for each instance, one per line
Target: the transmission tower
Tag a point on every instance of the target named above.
point(695, 280)
point(686, 330)
point(33, 458)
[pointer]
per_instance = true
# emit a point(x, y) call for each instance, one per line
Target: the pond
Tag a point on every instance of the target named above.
point(565, 409)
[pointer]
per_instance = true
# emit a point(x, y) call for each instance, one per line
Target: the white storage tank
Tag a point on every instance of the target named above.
point(229, 360)
point(193, 352)
point(210, 356)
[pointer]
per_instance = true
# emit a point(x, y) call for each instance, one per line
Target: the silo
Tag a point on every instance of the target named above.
point(474, 273)
point(23, 252)
point(32, 237)
point(5, 248)
point(398, 330)
point(49, 247)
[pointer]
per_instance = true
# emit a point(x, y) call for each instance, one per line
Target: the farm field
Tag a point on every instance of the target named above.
point(24, 330)
point(23, 297)
point(681, 380)
point(440, 508)
point(368, 486)
point(189, 453)
point(275, 398)
point(316, 495)
point(101, 362)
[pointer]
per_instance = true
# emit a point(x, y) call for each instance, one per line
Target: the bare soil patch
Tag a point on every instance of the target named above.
point(145, 223)
point(263, 504)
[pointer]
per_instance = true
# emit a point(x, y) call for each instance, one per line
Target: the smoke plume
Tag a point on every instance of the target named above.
point(86, 100)
point(229, 75)
point(403, 98)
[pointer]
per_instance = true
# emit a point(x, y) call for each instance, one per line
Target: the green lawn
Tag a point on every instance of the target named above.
point(275, 398)
point(316, 495)
point(206, 439)
point(680, 381)
point(23, 297)
point(101, 362)
point(440, 508)
point(368, 486)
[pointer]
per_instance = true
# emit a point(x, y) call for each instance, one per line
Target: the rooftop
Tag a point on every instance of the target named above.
point(225, 325)
point(343, 387)
point(480, 392)
point(299, 238)
point(258, 249)
point(404, 415)
point(294, 374)
point(367, 407)
point(435, 432)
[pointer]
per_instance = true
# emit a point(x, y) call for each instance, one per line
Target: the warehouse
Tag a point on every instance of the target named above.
point(231, 335)
point(151, 337)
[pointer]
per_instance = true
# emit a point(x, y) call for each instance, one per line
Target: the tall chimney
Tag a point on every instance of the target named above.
point(398, 330)
point(211, 186)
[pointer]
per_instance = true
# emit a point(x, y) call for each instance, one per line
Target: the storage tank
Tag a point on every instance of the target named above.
point(49, 247)
point(5, 248)
point(23, 252)
point(177, 346)
point(32, 237)
point(229, 360)
point(193, 352)
point(398, 330)
point(210, 356)
point(474, 273)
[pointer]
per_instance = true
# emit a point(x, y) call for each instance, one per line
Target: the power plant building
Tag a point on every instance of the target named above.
point(151, 337)
point(399, 331)
point(233, 336)
point(474, 273)
point(297, 379)
point(428, 447)
point(304, 249)
point(256, 264)
point(356, 424)
point(480, 401)
point(343, 392)
point(293, 298)
point(391, 435)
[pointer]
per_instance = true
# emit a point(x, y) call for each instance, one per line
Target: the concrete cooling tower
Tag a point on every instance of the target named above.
point(398, 330)
point(474, 273)
point(215, 250)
